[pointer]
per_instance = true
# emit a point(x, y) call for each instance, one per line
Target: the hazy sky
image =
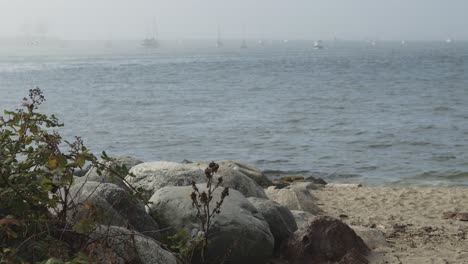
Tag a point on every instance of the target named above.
point(277, 19)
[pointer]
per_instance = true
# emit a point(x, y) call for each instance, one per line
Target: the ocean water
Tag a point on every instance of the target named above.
point(388, 114)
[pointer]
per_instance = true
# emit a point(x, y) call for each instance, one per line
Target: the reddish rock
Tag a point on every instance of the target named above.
point(322, 240)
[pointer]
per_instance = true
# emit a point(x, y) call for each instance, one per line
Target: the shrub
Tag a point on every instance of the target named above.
point(36, 174)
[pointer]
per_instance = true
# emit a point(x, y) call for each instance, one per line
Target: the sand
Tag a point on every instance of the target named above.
point(410, 218)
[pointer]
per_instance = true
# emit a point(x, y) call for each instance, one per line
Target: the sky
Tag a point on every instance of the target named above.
point(261, 19)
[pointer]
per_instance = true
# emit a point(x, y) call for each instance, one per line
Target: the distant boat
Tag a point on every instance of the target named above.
point(151, 42)
point(219, 41)
point(244, 44)
point(286, 41)
point(403, 42)
point(449, 41)
point(261, 43)
point(373, 43)
point(318, 44)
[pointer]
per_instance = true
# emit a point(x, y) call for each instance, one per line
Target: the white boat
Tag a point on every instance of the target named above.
point(151, 42)
point(318, 44)
point(449, 41)
point(261, 43)
point(219, 41)
point(244, 44)
point(403, 42)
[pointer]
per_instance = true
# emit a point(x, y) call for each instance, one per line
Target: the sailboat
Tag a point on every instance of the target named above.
point(318, 44)
point(244, 44)
point(219, 41)
point(151, 42)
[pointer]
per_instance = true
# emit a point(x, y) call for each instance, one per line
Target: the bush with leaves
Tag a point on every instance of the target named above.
point(36, 175)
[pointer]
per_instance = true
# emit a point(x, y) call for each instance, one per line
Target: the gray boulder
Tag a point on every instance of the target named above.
point(279, 218)
point(373, 238)
point(110, 205)
point(323, 240)
point(294, 198)
point(301, 217)
point(239, 234)
point(113, 244)
point(152, 176)
point(253, 173)
point(108, 176)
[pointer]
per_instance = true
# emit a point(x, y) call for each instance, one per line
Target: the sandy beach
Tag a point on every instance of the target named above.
point(411, 220)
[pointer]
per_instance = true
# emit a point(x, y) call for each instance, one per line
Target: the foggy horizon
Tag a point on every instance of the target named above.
point(419, 20)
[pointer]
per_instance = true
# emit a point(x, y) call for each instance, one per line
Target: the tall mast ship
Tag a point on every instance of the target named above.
point(219, 41)
point(152, 41)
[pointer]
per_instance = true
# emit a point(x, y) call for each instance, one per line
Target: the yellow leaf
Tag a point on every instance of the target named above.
point(52, 164)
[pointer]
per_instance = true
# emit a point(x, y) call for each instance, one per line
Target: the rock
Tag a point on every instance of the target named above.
point(294, 198)
point(115, 244)
point(111, 205)
point(319, 181)
point(155, 175)
point(239, 231)
point(279, 184)
point(322, 240)
point(280, 219)
point(372, 237)
point(107, 176)
point(301, 217)
point(304, 186)
point(291, 178)
point(253, 173)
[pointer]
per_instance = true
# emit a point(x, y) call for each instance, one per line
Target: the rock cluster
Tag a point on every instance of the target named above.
point(260, 221)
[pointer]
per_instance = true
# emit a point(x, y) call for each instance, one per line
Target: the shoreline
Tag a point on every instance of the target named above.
point(412, 221)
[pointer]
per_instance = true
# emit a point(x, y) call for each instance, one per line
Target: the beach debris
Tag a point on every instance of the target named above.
point(324, 239)
point(343, 216)
point(455, 216)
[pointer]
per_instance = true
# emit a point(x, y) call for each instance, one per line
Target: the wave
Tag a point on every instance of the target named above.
point(442, 175)
point(314, 174)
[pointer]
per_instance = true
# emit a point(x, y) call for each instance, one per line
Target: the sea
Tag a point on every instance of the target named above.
point(388, 114)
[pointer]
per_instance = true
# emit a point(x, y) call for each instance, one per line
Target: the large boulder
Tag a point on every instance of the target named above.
point(226, 166)
point(107, 176)
point(324, 239)
point(279, 218)
point(294, 198)
point(239, 234)
point(152, 176)
point(301, 217)
point(109, 204)
point(373, 237)
point(113, 244)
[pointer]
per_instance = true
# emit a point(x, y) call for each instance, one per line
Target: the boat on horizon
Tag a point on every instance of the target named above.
point(318, 44)
point(244, 44)
point(151, 42)
point(219, 41)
